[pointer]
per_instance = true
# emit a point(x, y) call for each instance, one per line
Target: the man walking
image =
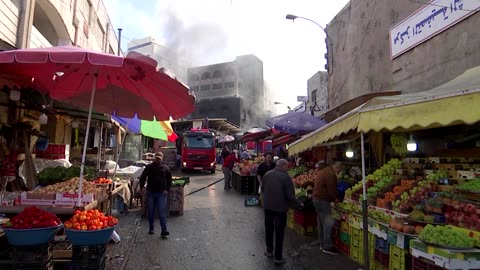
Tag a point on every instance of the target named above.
point(325, 193)
point(227, 169)
point(278, 193)
point(159, 180)
point(265, 167)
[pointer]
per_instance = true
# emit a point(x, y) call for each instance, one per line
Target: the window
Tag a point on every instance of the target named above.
point(194, 77)
point(199, 142)
point(206, 76)
point(314, 96)
point(90, 12)
point(217, 74)
point(205, 87)
point(217, 86)
point(229, 84)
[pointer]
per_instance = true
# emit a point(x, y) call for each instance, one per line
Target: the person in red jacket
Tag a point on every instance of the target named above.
point(227, 169)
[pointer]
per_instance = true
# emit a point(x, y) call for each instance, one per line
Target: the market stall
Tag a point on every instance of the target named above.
point(83, 79)
point(244, 176)
point(422, 208)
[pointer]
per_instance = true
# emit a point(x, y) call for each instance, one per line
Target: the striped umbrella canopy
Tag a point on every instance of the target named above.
point(161, 130)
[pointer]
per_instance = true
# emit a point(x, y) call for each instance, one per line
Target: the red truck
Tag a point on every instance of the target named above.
point(198, 150)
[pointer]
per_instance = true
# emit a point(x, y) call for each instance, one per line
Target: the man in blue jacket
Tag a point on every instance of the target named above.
point(158, 177)
point(278, 195)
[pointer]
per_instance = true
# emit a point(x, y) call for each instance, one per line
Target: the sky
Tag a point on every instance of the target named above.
point(216, 31)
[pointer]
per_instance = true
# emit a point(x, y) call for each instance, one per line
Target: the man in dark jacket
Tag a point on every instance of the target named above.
point(265, 167)
point(325, 193)
point(278, 194)
point(159, 180)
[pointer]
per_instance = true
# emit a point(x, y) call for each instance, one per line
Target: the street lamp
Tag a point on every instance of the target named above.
point(280, 103)
point(293, 17)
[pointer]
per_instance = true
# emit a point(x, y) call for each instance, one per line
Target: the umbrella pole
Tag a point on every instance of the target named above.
point(87, 133)
point(366, 262)
point(99, 151)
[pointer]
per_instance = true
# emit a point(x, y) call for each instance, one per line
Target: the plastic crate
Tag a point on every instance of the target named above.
point(32, 266)
point(424, 264)
point(381, 244)
point(398, 258)
point(305, 218)
point(39, 254)
point(344, 227)
point(345, 238)
point(344, 248)
point(382, 258)
point(304, 230)
point(89, 257)
point(379, 266)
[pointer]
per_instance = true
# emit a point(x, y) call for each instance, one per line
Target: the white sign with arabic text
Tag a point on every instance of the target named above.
point(431, 19)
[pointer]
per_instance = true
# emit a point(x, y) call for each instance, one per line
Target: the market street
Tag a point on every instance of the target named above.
point(217, 232)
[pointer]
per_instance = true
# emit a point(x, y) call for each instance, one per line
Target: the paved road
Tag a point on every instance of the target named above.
point(216, 232)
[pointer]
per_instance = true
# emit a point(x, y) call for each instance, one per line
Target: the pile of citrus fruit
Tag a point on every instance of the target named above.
point(90, 220)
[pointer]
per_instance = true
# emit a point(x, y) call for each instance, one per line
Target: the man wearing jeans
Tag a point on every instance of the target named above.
point(278, 194)
point(325, 193)
point(159, 180)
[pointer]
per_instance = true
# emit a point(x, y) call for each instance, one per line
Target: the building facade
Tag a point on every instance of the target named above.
point(233, 90)
point(317, 103)
point(164, 56)
point(362, 53)
point(46, 23)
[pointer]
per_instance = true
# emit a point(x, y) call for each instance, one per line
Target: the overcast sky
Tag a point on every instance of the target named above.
point(214, 31)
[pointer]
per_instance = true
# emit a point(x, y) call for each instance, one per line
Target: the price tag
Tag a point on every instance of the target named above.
point(400, 240)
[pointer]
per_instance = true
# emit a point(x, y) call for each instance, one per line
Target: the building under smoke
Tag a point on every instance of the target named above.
point(164, 56)
point(232, 90)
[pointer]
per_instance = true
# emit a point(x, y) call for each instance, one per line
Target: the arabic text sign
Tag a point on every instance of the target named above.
point(428, 21)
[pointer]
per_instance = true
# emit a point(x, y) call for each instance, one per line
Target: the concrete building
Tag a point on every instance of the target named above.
point(431, 51)
point(317, 103)
point(233, 90)
point(165, 57)
point(46, 23)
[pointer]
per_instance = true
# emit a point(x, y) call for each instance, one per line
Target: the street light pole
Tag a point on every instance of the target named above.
point(280, 103)
point(293, 17)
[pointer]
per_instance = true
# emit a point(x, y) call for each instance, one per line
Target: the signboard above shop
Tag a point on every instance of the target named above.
point(430, 20)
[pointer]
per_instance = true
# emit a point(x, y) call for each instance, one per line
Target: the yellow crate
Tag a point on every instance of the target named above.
point(344, 227)
point(304, 230)
point(397, 259)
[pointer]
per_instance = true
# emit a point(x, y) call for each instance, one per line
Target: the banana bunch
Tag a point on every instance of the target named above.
point(399, 143)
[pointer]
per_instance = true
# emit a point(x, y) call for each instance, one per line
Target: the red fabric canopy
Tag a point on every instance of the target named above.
point(125, 86)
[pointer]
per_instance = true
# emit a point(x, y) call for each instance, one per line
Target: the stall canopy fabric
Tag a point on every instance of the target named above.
point(295, 123)
point(455, 102)
point(161, 130)
point(257, 134)
point(124, 86)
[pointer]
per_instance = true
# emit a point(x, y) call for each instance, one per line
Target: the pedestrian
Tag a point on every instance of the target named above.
point(325, 193)
point(225, 153)
point(227, 169)
point(158, 177)
point(279, 194)
point(264, 167)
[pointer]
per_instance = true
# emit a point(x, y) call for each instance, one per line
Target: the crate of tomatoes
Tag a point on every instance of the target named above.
point(90, 227)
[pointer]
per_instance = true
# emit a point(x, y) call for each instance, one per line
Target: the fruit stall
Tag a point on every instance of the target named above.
point(244, 176)
point(414, 222)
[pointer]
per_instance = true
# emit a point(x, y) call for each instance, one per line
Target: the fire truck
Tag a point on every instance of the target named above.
point(198, 150)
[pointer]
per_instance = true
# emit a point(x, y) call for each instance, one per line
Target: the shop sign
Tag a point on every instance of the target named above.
point(430, 20)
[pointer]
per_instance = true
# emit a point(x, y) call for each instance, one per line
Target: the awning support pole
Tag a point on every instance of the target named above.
point(366, 262)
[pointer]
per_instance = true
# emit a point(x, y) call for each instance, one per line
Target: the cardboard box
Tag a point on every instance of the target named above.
point(467, 174)
point(41, 196)
point(72, 199)
point(25, 201)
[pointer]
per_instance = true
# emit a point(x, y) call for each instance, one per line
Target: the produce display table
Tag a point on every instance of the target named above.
point(58, 210)
point(245, 184)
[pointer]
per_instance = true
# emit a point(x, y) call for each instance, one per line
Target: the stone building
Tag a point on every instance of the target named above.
point(364, 32)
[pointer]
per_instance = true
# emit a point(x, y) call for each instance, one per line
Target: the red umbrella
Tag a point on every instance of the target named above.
point(123, 86)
